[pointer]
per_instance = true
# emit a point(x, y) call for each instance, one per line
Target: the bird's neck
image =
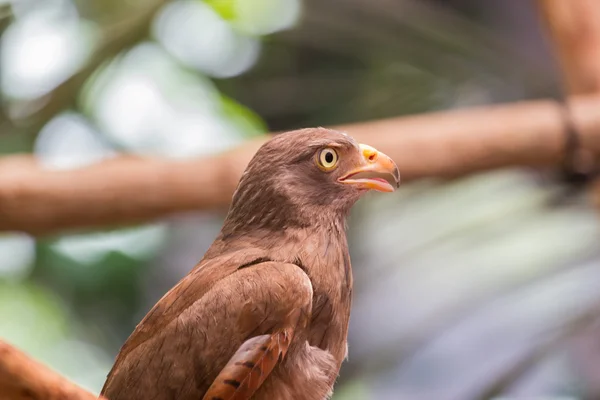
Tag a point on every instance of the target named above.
point(324, 253)
point(259, 207)
point(320, 248)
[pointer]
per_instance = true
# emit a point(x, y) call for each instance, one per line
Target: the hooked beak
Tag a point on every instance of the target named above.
point(378, 171)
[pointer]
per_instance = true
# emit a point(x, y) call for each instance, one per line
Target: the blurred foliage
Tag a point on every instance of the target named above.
point(464, 290)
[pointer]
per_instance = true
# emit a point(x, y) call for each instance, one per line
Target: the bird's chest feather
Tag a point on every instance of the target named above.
point(328, 328)
point(326, 260)
point(314, 359)
point(312, 364)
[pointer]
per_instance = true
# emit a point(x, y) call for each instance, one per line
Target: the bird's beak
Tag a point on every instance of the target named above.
point(377, 171)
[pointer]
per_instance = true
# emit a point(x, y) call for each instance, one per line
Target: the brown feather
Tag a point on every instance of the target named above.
point(183, 359)
point(265, 313)
point(254, 360)
point(250, 366)
point(192, 287)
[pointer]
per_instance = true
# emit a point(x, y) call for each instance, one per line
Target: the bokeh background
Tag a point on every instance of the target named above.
point(469, 289)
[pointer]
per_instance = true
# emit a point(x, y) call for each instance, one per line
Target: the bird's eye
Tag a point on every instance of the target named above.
point(327, 159)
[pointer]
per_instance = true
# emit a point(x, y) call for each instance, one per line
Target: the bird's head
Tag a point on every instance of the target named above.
point(302, 175)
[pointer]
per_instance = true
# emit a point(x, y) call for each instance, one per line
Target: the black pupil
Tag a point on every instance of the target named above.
point(328, 157)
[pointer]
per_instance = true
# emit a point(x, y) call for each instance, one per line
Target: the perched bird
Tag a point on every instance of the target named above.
point(264, 315)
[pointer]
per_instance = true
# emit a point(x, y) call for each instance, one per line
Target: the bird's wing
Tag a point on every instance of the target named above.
point(247, 316)
point(187, 291)
point(252, 363)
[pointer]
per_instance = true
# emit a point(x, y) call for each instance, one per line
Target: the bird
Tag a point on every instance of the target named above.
point(265, 313)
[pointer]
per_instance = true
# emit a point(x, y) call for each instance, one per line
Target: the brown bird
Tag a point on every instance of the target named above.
point(264, 315)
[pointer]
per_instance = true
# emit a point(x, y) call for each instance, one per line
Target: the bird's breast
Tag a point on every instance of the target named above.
point(328, 329)
point(322, 253)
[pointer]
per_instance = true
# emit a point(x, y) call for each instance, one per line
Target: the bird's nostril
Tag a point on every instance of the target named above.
point(372, 156)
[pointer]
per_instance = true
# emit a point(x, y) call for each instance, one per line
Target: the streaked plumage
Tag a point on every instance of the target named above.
point(264, 315)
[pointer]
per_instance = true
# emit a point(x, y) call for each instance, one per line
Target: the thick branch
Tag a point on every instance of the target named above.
point(132, 189)
point(574, 26)
point(23, 378)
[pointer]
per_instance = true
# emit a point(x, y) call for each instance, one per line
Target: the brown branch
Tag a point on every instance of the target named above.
point(23, 378)
point(574, 27)
point(130, 189)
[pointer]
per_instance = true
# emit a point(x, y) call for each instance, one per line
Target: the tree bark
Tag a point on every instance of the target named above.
point(129, 189)
point(26, 379)
point(574, 27)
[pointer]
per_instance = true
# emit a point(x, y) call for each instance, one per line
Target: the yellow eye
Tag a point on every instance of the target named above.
point(327, 159)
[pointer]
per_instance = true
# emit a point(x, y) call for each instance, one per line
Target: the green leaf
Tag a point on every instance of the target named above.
point(353, 390)
point(225, 8)
point(31, 318)
point(249, 122)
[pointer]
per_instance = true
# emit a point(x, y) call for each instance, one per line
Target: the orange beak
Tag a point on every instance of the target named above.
point(377, 171)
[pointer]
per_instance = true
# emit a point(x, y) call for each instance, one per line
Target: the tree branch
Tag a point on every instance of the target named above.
point(574, 27)
point(130, 189)
point(23, 378)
